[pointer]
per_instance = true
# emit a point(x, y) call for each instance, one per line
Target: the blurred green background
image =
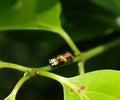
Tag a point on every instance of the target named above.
point(88, 22)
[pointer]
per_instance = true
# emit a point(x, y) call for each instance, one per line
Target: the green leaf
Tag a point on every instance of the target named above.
point(113, 5)
point(29, 14)
point(97, 85)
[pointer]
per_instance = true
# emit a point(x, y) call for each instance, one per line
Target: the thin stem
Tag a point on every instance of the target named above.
point(89, 54)
point(84, 56)
point(81, 68)
point(69, 41)
point(46, 68)
point(100, 49)
point(14, 66)
point(58, 78)
point(51, 75)
point(13, 94)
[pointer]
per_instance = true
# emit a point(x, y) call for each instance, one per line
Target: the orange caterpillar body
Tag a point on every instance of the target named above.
point(63, 58)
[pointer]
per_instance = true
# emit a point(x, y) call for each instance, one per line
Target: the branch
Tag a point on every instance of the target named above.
point(14, 66)
point(14, 92)
point(100, 49)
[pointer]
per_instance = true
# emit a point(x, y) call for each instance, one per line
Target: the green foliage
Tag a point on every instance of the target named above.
point(33, 14)
point(102, 84)
point(86, 21)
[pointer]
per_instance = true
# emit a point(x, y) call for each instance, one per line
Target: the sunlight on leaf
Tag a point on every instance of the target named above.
point(97, 85)
point(30, 14)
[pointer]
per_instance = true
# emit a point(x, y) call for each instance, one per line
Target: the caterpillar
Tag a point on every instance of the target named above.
point(60, 59)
